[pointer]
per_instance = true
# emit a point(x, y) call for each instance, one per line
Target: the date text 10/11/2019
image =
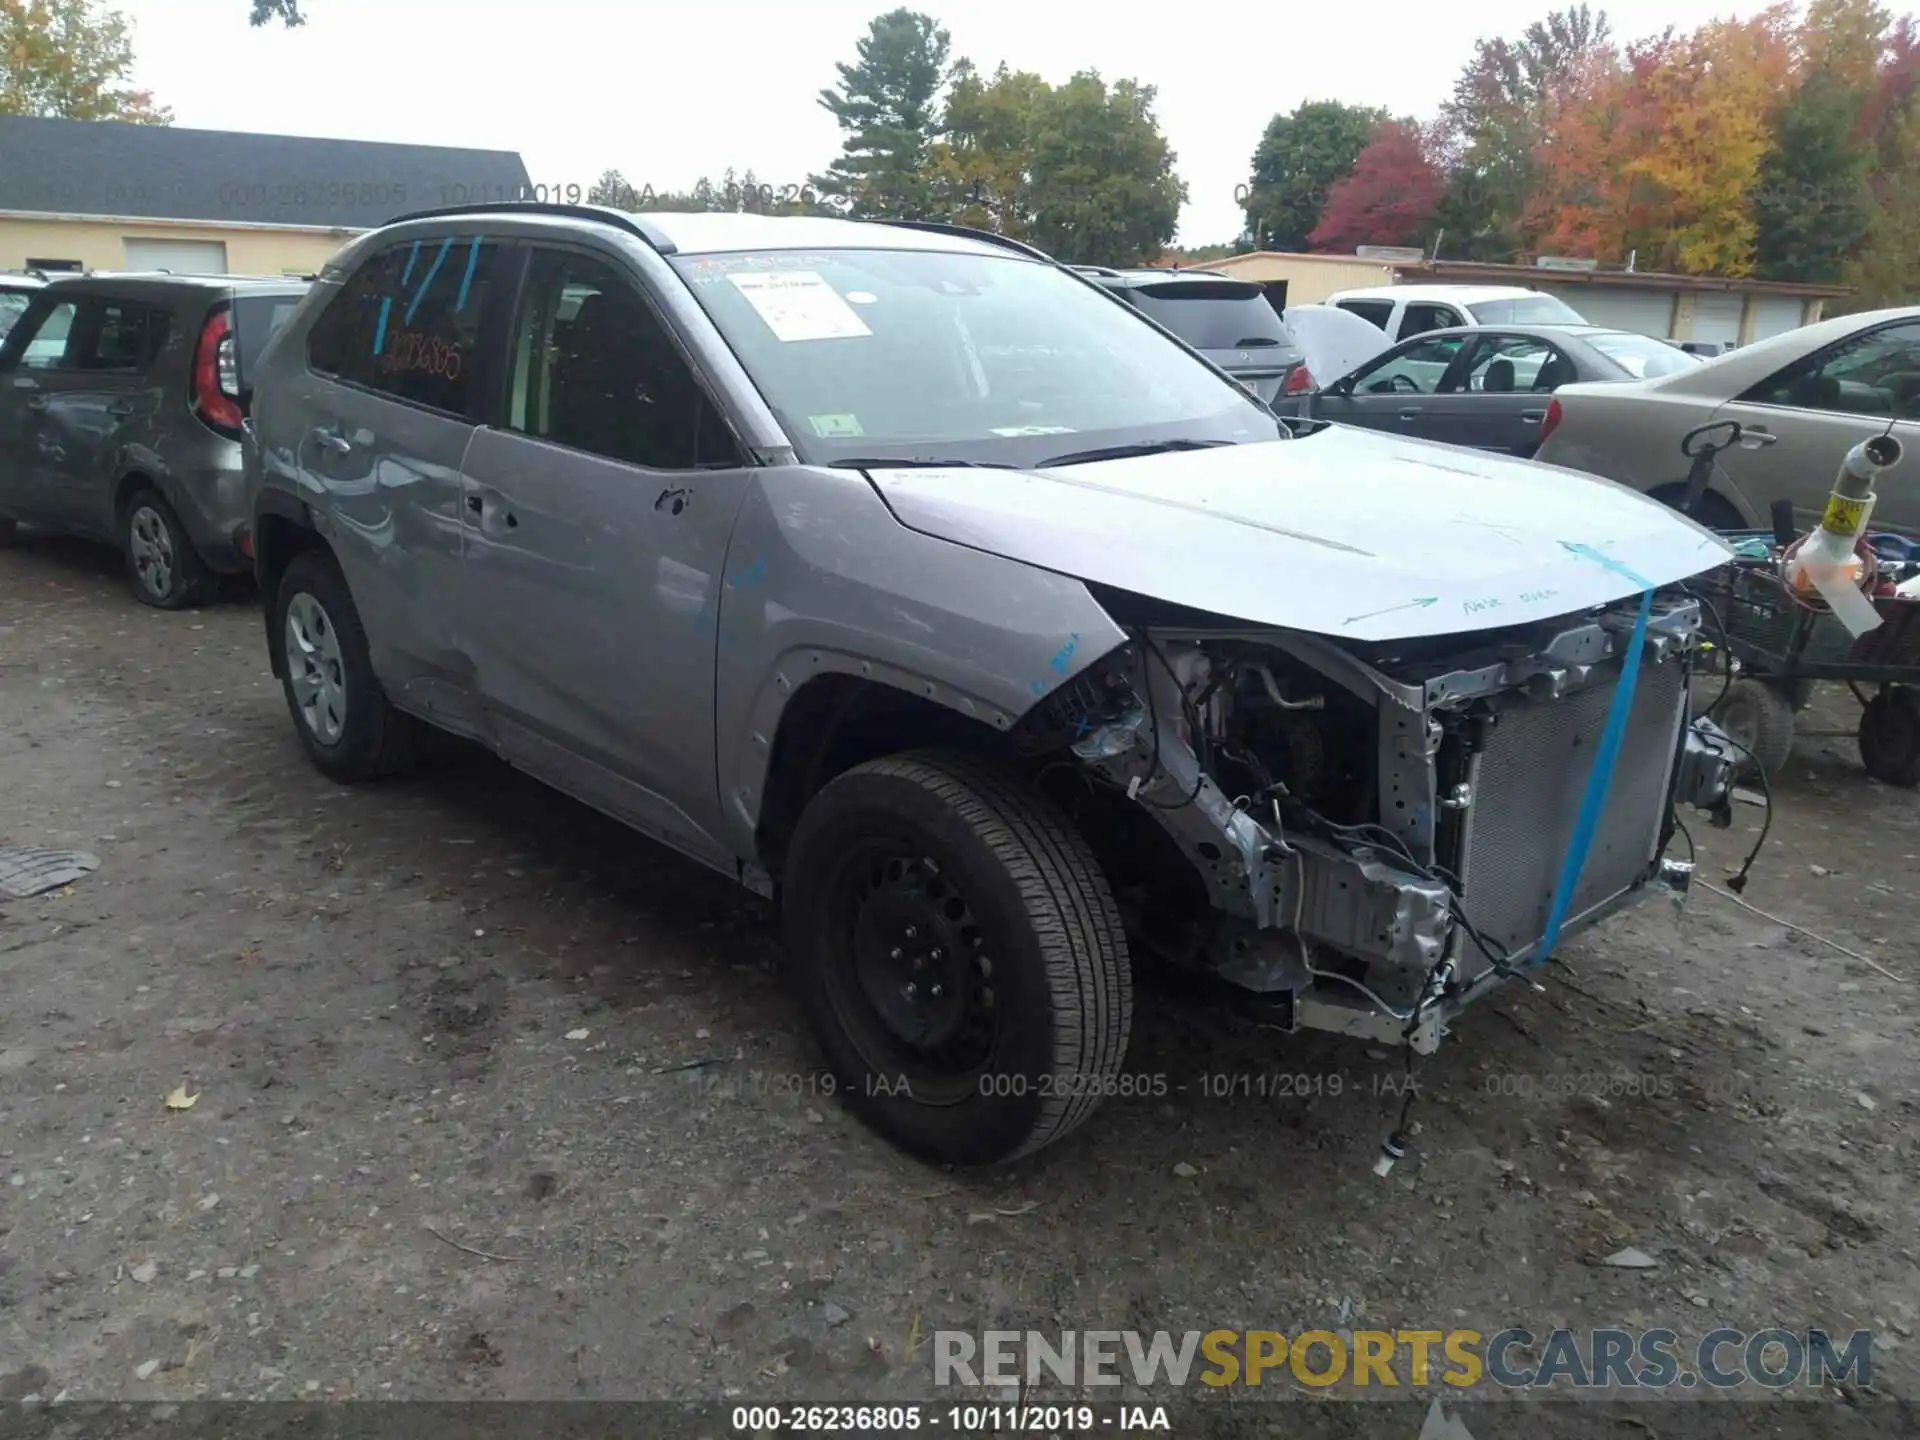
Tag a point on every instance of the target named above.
point(754, 196)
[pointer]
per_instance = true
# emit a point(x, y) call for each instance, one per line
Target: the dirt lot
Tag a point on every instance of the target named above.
point(441, 1147)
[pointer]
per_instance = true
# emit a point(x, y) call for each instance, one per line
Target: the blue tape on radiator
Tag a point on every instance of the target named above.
point(1600, 781)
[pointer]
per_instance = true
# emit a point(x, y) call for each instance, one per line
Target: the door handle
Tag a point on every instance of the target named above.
point(1532, 417)
point(477, 503)
point(1410, 414)
point(673, 501)
point(121, 407)
point(339, 444)
point(39, 402)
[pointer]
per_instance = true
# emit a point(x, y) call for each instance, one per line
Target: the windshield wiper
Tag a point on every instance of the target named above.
point(1123, 452)
point(915, 462)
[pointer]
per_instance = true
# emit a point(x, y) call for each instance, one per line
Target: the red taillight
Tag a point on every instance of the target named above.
point(213, 400)
point(1548, 425)
point(1299, 381)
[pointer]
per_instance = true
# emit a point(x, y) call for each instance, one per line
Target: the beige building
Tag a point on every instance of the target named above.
point(1674, 307)
point(97, 195)
point(1310, 278)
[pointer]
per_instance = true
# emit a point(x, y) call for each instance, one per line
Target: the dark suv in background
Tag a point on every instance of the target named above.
point(121, 402)
point(1231, 322)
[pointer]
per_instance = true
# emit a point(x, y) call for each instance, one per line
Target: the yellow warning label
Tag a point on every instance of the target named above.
point(1844, 516)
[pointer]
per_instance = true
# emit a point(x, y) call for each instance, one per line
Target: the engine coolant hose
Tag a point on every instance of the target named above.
point(1600, 781)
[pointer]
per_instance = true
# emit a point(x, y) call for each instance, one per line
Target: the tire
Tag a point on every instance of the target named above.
point(1889, 737)
point(1716, 512)
point(1759, 715)
point(162, 566)
point(1023, 928)
point(350, 730)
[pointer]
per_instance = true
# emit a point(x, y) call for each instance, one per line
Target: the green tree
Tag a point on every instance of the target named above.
point(887, 107)
point(70, 59)
point(1297, 162)
point(1813, 203)
point(265, 12)
point(1104, 189)
point(981, 168)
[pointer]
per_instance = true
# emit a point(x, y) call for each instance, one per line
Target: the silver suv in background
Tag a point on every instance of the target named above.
point(904, 576)
point(1231, 322)
point(121, 402)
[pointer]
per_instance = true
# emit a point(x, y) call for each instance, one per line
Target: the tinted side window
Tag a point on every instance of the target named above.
point(1874, 373)
point(1424, 317)
point(595, 369)
point(42, 345)
point(118, 337)
point(1375, 312)
point(408, 322)
point(1506, 363)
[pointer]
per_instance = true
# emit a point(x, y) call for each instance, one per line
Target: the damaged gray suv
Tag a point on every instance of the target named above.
point(914, 581)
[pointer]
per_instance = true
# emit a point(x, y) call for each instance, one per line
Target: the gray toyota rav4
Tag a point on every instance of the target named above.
point(923, 586)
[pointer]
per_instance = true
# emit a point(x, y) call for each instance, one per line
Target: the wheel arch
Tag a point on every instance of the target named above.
point(821, 714)
point(282, 528)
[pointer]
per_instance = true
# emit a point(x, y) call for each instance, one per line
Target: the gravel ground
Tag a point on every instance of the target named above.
point(496, 1100)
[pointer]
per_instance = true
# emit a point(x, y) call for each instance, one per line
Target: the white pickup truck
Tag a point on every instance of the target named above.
point(1404, 311)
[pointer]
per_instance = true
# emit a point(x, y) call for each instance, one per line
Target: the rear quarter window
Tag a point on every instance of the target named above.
point(257, 318)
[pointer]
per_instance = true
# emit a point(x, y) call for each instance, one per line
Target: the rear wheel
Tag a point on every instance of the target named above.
point(349, 729)
point(1890, 737)
point(960, 955)
point(162, 565)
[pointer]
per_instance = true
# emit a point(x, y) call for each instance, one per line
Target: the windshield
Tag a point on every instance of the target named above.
point(1215, 316)
point(1641, 356)
point(917, 354)
point(1526, 310)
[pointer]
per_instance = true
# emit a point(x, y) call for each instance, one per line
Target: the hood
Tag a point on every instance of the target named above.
point(1334, 342)
point(1343, 533)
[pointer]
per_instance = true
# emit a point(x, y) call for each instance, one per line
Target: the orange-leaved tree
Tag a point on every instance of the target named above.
point(1598, 120)
point(70, 59)
point(1714, 93)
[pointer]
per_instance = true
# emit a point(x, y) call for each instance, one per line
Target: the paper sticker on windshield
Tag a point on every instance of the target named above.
point(1014, 432)
point(835, 427)
point(799, 305)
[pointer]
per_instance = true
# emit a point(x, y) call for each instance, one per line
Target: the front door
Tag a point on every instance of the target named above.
point(598, 517)
point(1821, 407)
point(1395, 392)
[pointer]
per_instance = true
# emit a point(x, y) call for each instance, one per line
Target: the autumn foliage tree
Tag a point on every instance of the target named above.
point(70, 59)
point(1388, 198)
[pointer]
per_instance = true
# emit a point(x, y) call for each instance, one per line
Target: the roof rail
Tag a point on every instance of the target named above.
point(1095, 270)
point(605, 214)
point(969, 232)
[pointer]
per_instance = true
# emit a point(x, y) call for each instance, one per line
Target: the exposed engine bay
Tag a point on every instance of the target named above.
point(1369, 835)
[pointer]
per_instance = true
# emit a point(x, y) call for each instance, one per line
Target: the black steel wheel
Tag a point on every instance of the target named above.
point(960, 955)
point(1890, 736)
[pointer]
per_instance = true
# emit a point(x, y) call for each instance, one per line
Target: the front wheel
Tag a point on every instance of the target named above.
point(960, 956)
point(349, 729)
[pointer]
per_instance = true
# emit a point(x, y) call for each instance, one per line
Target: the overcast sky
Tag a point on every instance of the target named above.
point(669, 92)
